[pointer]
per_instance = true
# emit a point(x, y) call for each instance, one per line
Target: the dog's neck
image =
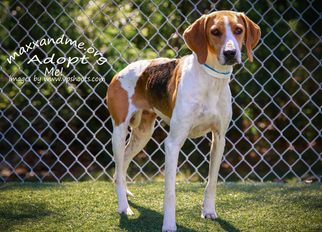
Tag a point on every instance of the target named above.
point(215, 73)
point(215, 69)
point(213, 62)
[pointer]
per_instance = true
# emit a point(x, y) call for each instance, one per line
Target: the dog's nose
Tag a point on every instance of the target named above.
point(230, 55)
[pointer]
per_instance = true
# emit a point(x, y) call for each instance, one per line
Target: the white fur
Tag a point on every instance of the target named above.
point(203, 104)
point(230, 37)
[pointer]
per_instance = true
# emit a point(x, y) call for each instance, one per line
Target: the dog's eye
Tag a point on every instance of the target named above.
point(238, 31)
point(215, 32)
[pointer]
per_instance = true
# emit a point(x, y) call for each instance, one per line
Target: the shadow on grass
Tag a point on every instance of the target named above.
point(150, 220)
point(226, 225)
point(19, 212)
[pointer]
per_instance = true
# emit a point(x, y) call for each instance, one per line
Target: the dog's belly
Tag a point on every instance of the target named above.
point(202, 129)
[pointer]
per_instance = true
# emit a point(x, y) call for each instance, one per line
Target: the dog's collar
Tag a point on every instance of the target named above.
point(212, 72)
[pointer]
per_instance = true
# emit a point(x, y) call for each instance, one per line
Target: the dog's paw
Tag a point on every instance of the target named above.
point(129, 194)
point(172, 229)
point(127, 211)
point(169, 227)
point(209, 215)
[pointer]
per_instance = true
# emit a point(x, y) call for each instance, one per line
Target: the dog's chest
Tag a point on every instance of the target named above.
point(205, 119)
point(212, 113)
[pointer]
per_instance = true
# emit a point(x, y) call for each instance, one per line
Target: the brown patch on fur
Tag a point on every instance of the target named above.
point(217, 22)
point(157, 86)
point(173, 86)
point(139, 98)
point(146, 120)
point(117, 101)
point(195, 38)
point(252, 35)
point(199, 37)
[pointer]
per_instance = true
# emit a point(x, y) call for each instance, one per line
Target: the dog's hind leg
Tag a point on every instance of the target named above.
point(118, 141)
point(142, 124)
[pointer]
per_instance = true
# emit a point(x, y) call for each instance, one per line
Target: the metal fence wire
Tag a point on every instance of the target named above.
point(57, 58)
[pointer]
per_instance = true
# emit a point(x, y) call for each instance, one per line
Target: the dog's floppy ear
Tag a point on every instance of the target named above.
point(252, 35)
point(196, 39)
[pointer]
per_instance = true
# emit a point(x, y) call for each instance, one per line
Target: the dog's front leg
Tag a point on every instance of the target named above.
point(173, 144)
point(216, 152)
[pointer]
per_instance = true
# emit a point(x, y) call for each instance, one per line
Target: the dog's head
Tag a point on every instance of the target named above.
point(222, 33)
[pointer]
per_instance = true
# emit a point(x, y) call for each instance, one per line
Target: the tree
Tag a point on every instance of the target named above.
point(64, 126)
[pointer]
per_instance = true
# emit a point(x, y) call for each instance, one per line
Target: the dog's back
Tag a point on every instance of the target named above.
point(146, 85)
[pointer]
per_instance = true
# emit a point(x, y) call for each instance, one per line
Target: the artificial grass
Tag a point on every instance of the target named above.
point(92, 206)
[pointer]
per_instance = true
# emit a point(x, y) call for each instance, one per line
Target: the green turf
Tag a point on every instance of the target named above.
point(92, 206)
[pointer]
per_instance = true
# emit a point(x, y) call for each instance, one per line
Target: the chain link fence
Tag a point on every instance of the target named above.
point(57, 58)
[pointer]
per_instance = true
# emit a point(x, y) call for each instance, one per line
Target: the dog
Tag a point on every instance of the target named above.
point(190, 94)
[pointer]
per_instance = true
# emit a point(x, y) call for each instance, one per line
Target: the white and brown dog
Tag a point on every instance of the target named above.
point(191, 94)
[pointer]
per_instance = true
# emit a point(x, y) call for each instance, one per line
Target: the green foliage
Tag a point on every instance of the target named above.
point(40, 118)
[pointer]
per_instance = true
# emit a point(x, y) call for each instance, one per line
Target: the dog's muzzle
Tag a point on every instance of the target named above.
point(230, 53)
point(230, 57)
